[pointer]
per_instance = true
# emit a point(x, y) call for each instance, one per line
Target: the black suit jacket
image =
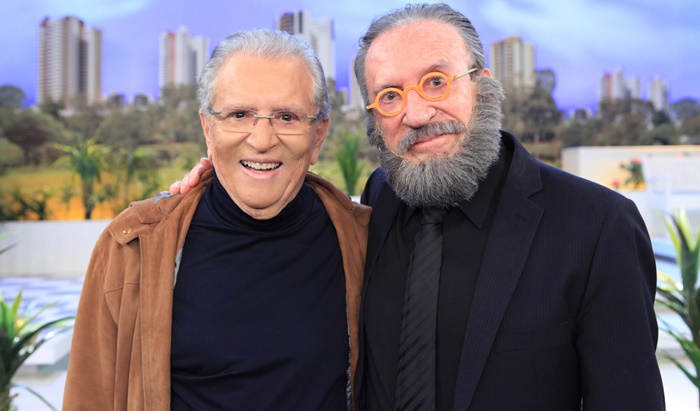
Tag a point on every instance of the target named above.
point(563, 307)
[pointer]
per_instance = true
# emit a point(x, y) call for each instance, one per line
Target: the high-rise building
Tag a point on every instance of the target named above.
point(318, 32)
point(658, 94)
point(617, 87)
point(613, 86)
point(70, 63)
point(633, 88)
point(182, 58)
point(512, 62)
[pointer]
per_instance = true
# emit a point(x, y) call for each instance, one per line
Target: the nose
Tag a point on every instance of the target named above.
point(262, 137)
point(418, 111)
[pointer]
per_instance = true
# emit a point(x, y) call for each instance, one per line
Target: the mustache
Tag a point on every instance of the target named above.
point(430, 130)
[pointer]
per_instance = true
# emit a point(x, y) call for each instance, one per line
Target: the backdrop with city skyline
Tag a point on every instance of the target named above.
point(580, 40)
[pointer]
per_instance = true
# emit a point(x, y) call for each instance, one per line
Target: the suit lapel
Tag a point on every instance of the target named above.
point(514, 228)
point(385, 205)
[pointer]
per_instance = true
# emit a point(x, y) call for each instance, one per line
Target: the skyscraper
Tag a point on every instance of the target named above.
point(617, 87)
point(658, 94)
point(512, 62)
point(182, 58)
point(318, 32)
point(70, 63)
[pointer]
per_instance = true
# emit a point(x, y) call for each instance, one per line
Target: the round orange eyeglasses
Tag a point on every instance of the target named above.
point(432, 87)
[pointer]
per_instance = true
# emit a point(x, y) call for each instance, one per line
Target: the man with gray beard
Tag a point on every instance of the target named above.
point(446, 181)
point(541, 288)
point(543, 294)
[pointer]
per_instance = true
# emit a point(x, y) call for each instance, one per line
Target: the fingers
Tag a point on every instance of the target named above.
point(174, 188)
point(191, 179)
point(206, 163)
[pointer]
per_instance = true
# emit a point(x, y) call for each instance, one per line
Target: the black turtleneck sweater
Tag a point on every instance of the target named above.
point(259, 319)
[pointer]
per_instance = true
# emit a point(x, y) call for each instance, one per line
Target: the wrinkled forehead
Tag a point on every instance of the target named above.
point(253, 80)
point(414, 48)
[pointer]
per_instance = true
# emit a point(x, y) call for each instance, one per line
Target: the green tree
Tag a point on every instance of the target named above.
point(663, 134)
point(512, 114)
point(172, 96)
point(613, 111)
point(140, 167)
point(177, 115)
point(691, 126)
point(336, 115)
point(579, 134)
point(87, 159)
point(51, 108)
point(34, 205)
point(660, 118)
point(686, 108)
point(30, 131)
point(11, 97)
point(533, 116)
point(624, 122)
point(348, 159)
point(541, 116)
point(131, 129)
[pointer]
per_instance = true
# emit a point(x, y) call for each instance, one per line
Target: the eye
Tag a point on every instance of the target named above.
point(287, 116)
point(239, 114)
point(435, 82)
point(389, 96)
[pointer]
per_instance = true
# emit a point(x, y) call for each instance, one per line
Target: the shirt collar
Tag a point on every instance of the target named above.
point(486, 198)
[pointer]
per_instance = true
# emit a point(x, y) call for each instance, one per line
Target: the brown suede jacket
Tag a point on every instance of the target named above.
point(120, 355)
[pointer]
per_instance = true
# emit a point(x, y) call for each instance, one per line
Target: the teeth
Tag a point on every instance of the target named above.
point(260, 166)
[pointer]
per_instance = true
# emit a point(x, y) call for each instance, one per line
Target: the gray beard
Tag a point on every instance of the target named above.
point(444, 182)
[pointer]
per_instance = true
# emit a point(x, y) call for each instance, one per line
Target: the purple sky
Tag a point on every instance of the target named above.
point(579, 39)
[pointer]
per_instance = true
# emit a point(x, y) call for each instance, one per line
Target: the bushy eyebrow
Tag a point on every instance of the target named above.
point(243, 107)
point(440, 65)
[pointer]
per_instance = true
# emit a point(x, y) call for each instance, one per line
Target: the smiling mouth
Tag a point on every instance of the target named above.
point(261, 166)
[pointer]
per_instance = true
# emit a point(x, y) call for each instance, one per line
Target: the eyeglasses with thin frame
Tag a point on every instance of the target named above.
point(283, 122)
point(433, 86)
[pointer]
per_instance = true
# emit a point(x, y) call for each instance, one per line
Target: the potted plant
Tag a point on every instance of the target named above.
point(19, 338)
point(683, 298)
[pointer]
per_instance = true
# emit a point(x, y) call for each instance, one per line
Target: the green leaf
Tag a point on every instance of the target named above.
point(28, 320)
point(36, 394)
point(8, 321)
point(691, 350)
point(15, 313)
point(684, 301)
point(27, 344)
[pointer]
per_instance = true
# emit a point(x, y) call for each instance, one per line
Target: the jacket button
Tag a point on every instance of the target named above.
point(127, 231)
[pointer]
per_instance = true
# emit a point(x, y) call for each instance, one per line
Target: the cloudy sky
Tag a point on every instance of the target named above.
point(579, 40)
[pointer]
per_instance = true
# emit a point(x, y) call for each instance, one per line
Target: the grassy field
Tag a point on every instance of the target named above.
point(55, 181)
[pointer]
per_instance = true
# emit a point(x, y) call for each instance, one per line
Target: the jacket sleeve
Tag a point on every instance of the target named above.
point(617, 329)
point(91, 365)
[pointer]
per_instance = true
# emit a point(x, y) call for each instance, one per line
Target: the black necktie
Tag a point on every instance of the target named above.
point(416, 377)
